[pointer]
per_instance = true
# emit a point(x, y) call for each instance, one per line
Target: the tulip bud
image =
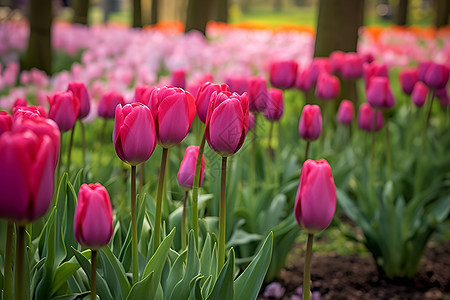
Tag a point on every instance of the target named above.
point(178, 79)
point(134, 135)
point(93, 220)
point(257, 93)
point(318, 65)
point(352, 66)
point(379, 93)
point(408, 78)
point(315, 202)
point(337, 60)
point(28, 112)
point(310, 125)
point(20, 102)
point(345, 112)
point(327, 87)
point(186, 173)
point(227, 122)
point(80, 91)
point(6, 121)
point(365, 118)
point(204, 95)
point(302, 81)
point(374, 69)
point(237, 84)
point(142, 94)
point(436, 76)
point(275, 107)
point(108, 103)
point(419, 94)
point(173, 110)
point(64, 110)
point(283, 73)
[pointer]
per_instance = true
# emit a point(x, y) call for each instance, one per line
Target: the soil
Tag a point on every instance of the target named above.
point(354, 277)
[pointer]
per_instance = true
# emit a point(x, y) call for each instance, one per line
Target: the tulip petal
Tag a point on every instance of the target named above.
point(173, 120)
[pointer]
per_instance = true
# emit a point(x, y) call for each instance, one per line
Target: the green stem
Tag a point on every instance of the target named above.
point(269, 156)
point(93, 274)
point(69, 152)
point(19, 269)
point(183, 222)
point(307, 150)
point(388, 151)
point(7, 285)
point(141, 178)
point(252, 175)
point(222, 211)
point(277, 157)
point(134, 241)
point(83, 143)
point(102, 141)
point(162, 173)
point(307, 271)
point(195, 190)
point(58, 169)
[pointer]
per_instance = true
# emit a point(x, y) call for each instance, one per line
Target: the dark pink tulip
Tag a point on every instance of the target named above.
point(365, 118)
point(257, 93)
point(408, 78)
point(251, 121)
point(379, 93)
point(436, 76)
point(327, 87)
point(283, 73)
point(345, 112)
point(204, 95)
point(419, 94)
point(108, 103)
point(310, 125)
point(195, 85)
point(64, 110)
point(422, 69)
point(80, 91)
point(352, 66)
point(186, 172)
point(275, 106)
point(337, 59)
point(173, 110)
point(315, 202)
point(302, 81)
point(444, 100)
point(441, 93)
point(93, 220)
point(28, 112)
point(374, 69)
point(227, 122)
point(134, 133)
point(318, 65)
point(237, 84)
point(6, 121)
point(27, 176)
point(178, 79)
point(142, 94)
point(20, 102)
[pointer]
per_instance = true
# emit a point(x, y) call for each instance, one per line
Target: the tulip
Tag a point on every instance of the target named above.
point(251, 121)
point(310, 125)
point(422, 69)
point(80, 91)
point(315, 202)
point(93, 220)
point(237, 84)
point(20, 102)
point(134, 133)
point(108, 103)
point(352, 66)
point(337, 60)
point(186, 172)
point(436, 76)
point(227, 122)
point(27, 176)
point(419, 94)
point(372, 70)
point(178, 79)
point(283, 74)
point(257, 93)
point(204, 95)
point(64, 110)
point(195, 85)
point(6, 121)
point(365, 118)
point(173, 110)
point(379, 93)
point(142, 94)
point(345, 112)
point(408, 78)
point(318, 66)
point(275, 107)
point(327, 87)
point(302, 81)
point(28, 112)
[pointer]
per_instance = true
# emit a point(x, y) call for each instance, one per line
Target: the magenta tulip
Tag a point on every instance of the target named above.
point(64, 110)
point(275, 106)
point(28, 112)
point(315, 202)
point(352, 66)
point(283, 74)
point(345, 112)
point(6, 121)
point(108, 103)
point(408, 78)
point(318, 65)
point(93, 220)
point(310, 125)
point(134, 133)
point(27, 176)
point(436, 76)
point(337, 60)
point(302, 81)
point(173, 110)
point(257, 93)
point(374, 69)
point(379, 93)
point(80, 91)
point(142, 94)
point(419, 94)
point(327, 87)
point(178, 79)
point(227, 122)
point(365, 118)
point(204, 95)
point(237, 84)
point(422, 69)
point(20, 102)
point(186, 172)
point(251, 121)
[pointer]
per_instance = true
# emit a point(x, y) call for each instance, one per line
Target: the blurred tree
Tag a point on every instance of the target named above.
point(137, 13)
point(401, 13)
point(39, 51)
point(198, 15)
point(220, 11)
point(80, 12)
point(442, 9)
point(154, 12)
point(277, 5)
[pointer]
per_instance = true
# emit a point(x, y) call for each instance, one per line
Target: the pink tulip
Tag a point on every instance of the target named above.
point(251, 121)
point(379, 93)
point(337, 60)
point(227, 122)
point(365, 118)
point(345, 112)
point(419, 94)
point(408, 78)
point(64, 110)
point(318, 65)
point(352, 66)
point(134, 135)
point(186, 172)
point(142, 94)
point(178, 79)
point(195, 85)
point(173, 110)
point(6, 121)
point(28, 112)
point(374, 69)
point(275, 106)
point(315, 202)
point(436, 76)
point(108, 103)
point(80, 91)
point(20, 102)
point(93, 220)
point(27, 176)
point(283, 73)
point(327, 87)
point(257, 93)
point(204, 95)
point(422, 69)
point(237, 84)
point(310, 125)
point(303, 82)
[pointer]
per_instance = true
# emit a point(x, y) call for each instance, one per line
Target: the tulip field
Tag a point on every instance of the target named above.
point(157, 164)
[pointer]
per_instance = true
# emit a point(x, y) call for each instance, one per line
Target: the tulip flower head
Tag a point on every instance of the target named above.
point(365, 118)
point(64, 110)
point(408, 78)
point(142, 94)
point(108, 103)
point(257, 93)
point(80, 91)
point(379, 93)
point(374, 69)
point(436, 76)
point(337, 60)
point(318, 65)
point(178, 79)
point(352, 66)
point(237, 84)
point(315, 202)
point(93, 220)
point(28, 112)
point(204, 95)
point(310, 125)
point(186, 172)
point(251, 121)
point(275, 106)
point(345, 112)
point(419, 94)
point(6, 121)
point(327, 87)
point(283, 74)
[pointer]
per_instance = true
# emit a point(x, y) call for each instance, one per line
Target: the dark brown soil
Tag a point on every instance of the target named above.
point(353, 277)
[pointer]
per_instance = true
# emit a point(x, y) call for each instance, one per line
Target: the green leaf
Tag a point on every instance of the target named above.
point(140, 289)
point(114, 274)
point(224, 286)
point(195, 287)
point(175, 275)
point(72, 296)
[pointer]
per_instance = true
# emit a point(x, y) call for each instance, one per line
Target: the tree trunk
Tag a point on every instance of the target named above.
point(137, 14)
point(277, 5)
point(401, 14)
point(154, 12)
point(442, 9)
point(39, 51)
point(80, 12)
point(198, 15)
point(220, 11)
